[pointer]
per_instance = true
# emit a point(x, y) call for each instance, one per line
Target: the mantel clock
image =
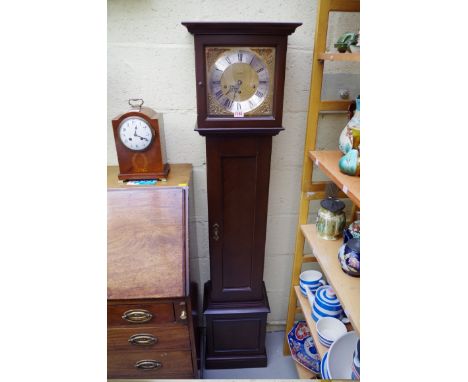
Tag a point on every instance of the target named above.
point(139, 141)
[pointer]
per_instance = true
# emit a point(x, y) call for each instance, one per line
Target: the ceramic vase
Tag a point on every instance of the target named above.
point(350, 136)
point(350, 163)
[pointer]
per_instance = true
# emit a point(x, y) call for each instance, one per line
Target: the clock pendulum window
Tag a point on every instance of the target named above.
point(240, 70)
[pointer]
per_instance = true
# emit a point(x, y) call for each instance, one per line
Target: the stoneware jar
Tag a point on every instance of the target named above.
point(331, 219)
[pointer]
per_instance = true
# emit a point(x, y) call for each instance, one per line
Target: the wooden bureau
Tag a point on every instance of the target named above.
point(150, 324)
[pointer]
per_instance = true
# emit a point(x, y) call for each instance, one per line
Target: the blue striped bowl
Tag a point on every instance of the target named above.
point(324, 367)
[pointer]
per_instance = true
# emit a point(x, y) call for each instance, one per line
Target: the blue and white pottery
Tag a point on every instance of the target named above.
point(303, 289)
point(303, 348)
point(325, 303)
point(323, 367)
point(311, 278)
point(324, 342)
point(340, 356)
point(329, 330)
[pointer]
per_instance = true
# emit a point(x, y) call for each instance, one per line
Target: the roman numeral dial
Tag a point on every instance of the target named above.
point(238, 80)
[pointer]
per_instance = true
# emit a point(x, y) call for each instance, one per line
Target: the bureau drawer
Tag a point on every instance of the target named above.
point(149, 364)
point(148, 338)
point(139, 314)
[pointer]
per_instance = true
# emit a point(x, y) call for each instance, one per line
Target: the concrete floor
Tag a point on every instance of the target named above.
point(279, 366)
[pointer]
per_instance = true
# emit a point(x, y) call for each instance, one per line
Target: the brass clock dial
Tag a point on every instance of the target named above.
point(240, 81)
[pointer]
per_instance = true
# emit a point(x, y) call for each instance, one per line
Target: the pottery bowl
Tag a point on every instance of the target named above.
point(340, 356)
point(329, 330)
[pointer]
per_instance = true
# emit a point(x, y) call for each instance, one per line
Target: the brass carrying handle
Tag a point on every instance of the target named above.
point(137, 316)
point(148, 364)
point(216, 231)
point(143, 339)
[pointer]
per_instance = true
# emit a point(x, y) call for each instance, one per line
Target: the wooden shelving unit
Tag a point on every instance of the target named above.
point(353, 57)
point(324, 252)
point(346, 287)
point(327, 161)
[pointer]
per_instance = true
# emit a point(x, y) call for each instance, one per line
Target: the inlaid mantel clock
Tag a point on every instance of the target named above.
point(240, 70)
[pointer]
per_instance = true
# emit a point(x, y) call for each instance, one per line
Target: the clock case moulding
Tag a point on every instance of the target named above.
point(238, 34)
point(238, 156)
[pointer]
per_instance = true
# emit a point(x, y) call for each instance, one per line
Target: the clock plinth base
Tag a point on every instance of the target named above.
point(147, 175)
point(235, 332)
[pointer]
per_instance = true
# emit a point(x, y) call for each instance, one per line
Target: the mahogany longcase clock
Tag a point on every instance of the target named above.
point(240, 69)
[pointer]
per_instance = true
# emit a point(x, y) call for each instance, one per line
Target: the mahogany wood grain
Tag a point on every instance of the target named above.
point(167, 337)
point(175, 364)
point(146, 243)
point(238, 170)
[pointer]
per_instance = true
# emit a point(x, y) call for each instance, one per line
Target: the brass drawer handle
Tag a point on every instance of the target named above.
point(148, 364)
point(137, 316)
point(143, 339)
point(183, 315)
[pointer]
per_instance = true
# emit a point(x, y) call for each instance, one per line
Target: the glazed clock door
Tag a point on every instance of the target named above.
point(238, 179)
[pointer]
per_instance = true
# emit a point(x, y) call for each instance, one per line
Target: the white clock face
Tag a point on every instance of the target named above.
point(135, 133)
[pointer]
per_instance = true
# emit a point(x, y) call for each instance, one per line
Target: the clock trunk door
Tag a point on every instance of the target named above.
point(238, 180)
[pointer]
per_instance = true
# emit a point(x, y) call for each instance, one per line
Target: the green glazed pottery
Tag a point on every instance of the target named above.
point(331, 219)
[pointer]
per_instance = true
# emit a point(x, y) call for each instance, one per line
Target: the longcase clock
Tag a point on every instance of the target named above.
point(240, 69)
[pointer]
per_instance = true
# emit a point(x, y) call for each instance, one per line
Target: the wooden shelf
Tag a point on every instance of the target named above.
point(336, 56)
point(327, 161)
point(347, 288)
point(307, 311)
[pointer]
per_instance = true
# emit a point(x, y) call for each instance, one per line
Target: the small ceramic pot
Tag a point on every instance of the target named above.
point(349, 256)
point(325, 304)
point(350, 163)
point(331, 219)
point(352, 232)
